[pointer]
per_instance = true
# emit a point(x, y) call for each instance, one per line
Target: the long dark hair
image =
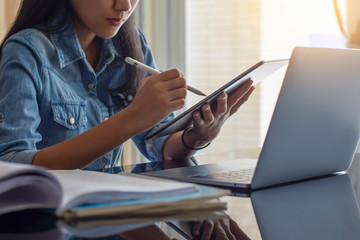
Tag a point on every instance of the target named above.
point(37, 13)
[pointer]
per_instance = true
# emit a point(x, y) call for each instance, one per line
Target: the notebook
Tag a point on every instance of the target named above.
point(257, 73)
point(314, 130)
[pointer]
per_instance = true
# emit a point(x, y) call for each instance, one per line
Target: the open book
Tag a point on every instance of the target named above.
point(77, 194)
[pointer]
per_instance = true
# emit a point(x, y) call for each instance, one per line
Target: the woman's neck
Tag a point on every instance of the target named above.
point(92, 51)
point(90, 44)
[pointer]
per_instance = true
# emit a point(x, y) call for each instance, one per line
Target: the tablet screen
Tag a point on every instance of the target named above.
point(257, 73)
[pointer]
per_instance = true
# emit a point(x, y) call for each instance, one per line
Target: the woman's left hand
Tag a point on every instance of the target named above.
point(207, 124)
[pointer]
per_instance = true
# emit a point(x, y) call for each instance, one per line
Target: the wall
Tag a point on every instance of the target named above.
point(8, 10)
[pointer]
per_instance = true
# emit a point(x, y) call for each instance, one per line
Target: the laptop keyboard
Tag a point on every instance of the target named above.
point(231, 176)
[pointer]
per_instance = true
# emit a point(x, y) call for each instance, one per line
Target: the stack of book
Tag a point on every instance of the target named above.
point(87, 199)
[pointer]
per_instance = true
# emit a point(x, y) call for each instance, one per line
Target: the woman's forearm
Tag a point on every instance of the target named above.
point(175, 149)
point(85, 148)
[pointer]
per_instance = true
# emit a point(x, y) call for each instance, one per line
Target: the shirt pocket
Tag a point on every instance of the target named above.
point(70, 114)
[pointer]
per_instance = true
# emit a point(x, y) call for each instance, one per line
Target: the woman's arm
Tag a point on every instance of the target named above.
point(167, 90)
point(85, 148)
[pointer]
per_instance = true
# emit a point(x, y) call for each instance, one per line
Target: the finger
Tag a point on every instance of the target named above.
point(207, 114)
point(235, 229)
point(207, 229)
point(170, 74)
point(172, 99)
point(238, 93)
point(241, 101)
point(176, 104)
point(225, 224)
point(197, 228)
point(219, 232)
point(179, 93)
point(198, 119)
point(174, 83)
point(221, 106)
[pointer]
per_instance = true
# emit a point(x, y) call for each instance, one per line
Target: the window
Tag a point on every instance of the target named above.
point(8, 9)
point(222, 39)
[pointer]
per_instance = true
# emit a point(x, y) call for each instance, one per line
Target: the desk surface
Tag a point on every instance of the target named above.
point(325, 208)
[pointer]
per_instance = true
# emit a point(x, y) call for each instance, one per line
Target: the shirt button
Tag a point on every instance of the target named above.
point(1, 117)
point(72, 120)
point(130, 98)
point(91, 86)
point(106, 165)
point(106, 118)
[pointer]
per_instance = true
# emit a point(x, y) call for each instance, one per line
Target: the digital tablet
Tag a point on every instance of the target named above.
point(256, 73)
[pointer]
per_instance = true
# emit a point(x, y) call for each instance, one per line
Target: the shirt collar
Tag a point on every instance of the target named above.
point(68, 46)
point(109, 50)
point(65, 40)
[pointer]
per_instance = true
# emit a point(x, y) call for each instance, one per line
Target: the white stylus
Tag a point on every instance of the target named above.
point(151, 70)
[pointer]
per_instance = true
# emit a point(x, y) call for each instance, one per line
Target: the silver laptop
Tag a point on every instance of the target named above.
point(314, 130)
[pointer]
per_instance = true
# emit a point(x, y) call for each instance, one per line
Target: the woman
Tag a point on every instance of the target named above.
point(67, 99)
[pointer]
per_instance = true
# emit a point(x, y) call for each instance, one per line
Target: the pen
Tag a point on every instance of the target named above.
point(151, 70)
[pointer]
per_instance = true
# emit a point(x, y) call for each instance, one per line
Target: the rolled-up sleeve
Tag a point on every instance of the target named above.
point(20, 72)
point(152, 148)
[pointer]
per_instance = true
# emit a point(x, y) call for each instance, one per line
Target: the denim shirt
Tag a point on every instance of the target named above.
point(49, 93)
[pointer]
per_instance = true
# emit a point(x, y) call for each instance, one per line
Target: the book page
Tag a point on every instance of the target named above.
point(8, 170)
point(29, 191)
point(25, 186)
point(82, 187)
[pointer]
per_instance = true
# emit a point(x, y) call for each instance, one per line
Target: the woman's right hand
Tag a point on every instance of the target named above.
point(158, 96)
